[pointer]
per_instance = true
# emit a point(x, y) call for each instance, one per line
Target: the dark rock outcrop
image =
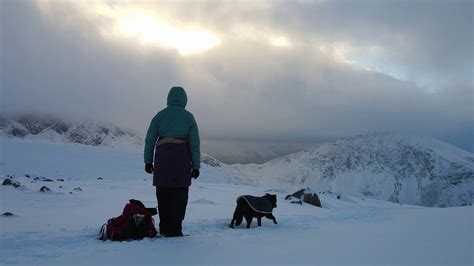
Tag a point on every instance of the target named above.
point(305, 195)
point(10, 182)
point(44, 189)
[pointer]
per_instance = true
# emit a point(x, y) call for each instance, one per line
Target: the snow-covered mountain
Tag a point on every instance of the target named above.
point(413, 170)
point(46, 128)
point(57, 130)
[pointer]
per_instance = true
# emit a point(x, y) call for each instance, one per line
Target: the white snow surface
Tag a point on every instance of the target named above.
point(59, 228)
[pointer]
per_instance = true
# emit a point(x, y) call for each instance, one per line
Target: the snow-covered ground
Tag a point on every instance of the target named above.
point(59, 228)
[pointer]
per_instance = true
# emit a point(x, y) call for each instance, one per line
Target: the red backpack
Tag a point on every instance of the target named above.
point(135, 222)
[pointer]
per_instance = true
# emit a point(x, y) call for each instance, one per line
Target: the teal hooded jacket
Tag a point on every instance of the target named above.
point(174, 121)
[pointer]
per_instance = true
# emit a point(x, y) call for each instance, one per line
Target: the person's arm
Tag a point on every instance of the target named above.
point(150, 140)
point(194, 145)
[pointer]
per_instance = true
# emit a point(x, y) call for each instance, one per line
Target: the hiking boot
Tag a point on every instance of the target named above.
point(171, 234)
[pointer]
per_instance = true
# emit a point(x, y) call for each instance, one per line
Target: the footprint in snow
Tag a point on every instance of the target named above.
point(202, 201)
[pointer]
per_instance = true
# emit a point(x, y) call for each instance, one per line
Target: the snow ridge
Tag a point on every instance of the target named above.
point(56, 130)
point(402, 169)
point(50, 129)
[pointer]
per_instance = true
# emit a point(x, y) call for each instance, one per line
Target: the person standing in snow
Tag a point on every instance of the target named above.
point(173, 137)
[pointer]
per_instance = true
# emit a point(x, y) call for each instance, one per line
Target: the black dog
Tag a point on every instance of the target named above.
point(250, 206)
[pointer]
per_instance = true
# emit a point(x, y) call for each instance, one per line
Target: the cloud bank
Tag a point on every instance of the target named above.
point(266, 71)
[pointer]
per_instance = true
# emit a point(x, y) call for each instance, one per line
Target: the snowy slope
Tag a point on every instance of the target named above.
point(59, 228)
point(76, 161)
point(413, 170)
point(46, 128)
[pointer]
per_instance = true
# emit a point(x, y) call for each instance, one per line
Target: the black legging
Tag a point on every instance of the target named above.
point(172, 204)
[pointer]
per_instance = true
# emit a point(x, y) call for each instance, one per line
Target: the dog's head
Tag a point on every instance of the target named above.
point(272, 198)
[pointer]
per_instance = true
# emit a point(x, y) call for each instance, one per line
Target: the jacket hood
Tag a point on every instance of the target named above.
point(177, 96)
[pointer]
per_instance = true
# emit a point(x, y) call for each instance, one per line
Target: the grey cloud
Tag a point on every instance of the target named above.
point(431, 38)
point(68, 70)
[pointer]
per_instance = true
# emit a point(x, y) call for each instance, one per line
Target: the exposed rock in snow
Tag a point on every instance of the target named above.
point(10, 182)
point(209, 160)
point(44, 189)
point(305, 195)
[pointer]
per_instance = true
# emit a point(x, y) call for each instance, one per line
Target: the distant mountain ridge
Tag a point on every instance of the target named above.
point(405, 169)
point(89, 133)
point(58, 130)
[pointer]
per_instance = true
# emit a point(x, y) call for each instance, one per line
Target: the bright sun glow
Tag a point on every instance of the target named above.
point(150, 30)
point(280, 41)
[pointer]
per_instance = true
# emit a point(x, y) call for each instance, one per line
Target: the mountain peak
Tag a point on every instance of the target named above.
point(405, 169)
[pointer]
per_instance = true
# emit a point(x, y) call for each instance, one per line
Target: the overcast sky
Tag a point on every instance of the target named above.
point(286, 71)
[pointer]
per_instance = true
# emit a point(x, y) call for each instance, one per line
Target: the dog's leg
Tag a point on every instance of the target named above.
point(271, 217)
point(259, 221)
point(231, 225)
point(249, 220)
